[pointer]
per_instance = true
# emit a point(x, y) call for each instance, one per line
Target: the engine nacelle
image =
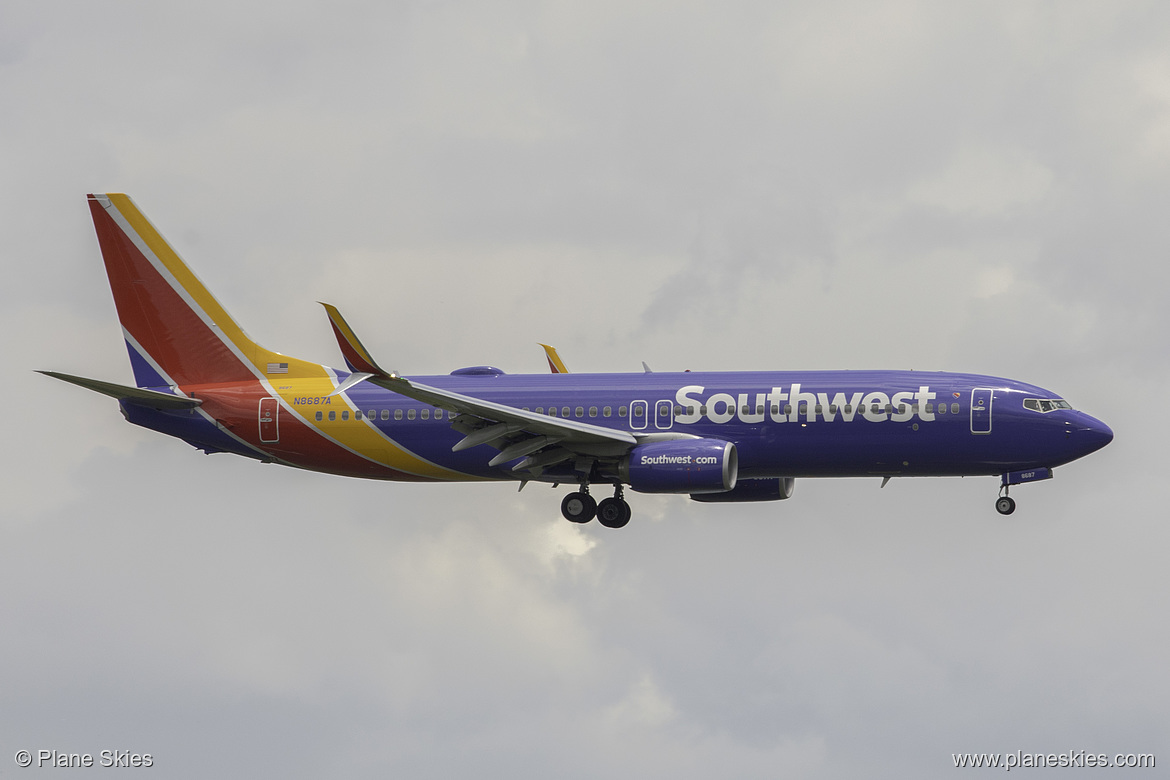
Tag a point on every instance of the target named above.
point(763, 489)
point(681, 466)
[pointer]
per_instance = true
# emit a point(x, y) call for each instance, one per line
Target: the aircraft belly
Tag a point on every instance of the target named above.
point(864, 449)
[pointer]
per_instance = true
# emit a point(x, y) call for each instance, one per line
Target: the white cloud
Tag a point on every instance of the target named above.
point(984, 183)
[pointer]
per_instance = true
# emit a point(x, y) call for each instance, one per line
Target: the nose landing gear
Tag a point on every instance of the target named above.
point(1005, 504)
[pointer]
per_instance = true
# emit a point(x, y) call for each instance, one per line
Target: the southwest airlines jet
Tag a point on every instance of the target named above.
point(717, 437)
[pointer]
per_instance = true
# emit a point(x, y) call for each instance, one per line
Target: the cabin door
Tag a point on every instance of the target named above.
point(981, 398)
point(269, 420)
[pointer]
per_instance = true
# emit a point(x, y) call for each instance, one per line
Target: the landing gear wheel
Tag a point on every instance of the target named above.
point(578, 507)
point(613, 512)
point(1005, 505)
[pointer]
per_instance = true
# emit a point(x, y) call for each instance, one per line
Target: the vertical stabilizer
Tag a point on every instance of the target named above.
point(176, 331)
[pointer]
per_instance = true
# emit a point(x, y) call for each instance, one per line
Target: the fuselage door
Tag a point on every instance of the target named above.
point(664, 414)
point(638, 415)
point(981, 398)
point(269, 420)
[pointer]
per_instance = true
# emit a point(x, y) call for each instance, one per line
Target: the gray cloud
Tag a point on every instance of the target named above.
point(848, 185)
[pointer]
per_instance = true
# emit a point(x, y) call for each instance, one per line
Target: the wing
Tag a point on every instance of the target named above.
point(541, 441)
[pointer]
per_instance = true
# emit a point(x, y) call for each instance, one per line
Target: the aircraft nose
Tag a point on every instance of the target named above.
point(1091, 434)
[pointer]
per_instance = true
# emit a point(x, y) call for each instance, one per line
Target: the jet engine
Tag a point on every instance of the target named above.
point(681, 466)
point(764, 489)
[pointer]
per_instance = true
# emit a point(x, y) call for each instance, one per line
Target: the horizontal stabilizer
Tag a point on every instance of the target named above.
point(149, 398)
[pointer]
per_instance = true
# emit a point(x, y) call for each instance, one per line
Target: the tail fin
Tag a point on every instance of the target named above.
point(177, 333)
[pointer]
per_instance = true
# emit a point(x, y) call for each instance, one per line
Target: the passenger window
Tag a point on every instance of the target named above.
point(332, 416)
point(592, 411)
point(787, 408)
point(345, 415)
point(638, 412)
point(848, 408)
point(579, 411)
point(818, 409)
point(954, 408)
point(540, 410)
point(385, 414)
point(397, 414)
point(552, 411)
point(775, 408)
point(703, 409)
point(319, 415)
point(410, 414)
point(621, 411)
point(746, 409)
point(929, 408)
point(357, 414)
point(425, 414)
point(564, 411)
point(607, 411)
point(901, 408)
point(942, 408)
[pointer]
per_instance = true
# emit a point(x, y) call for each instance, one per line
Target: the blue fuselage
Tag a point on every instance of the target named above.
point(791, 424)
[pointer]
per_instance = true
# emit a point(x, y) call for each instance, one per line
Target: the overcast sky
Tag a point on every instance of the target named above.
point(962, 186)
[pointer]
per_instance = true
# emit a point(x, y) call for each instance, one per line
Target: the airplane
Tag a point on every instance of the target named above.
point(717, 437)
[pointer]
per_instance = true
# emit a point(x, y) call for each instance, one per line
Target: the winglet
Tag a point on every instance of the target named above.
point(555, 364)
point(356, 356)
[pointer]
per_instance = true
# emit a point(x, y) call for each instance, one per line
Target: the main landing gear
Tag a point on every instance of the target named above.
point(580, 507)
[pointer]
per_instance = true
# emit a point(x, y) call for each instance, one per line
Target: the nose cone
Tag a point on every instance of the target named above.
point(1090, 434)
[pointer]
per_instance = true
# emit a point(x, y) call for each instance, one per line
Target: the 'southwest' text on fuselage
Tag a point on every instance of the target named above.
point(797, 405)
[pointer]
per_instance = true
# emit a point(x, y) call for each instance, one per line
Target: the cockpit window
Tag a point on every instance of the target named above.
point(1044, 405)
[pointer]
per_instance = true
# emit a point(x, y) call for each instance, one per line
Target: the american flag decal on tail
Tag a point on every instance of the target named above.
point(278, 368)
